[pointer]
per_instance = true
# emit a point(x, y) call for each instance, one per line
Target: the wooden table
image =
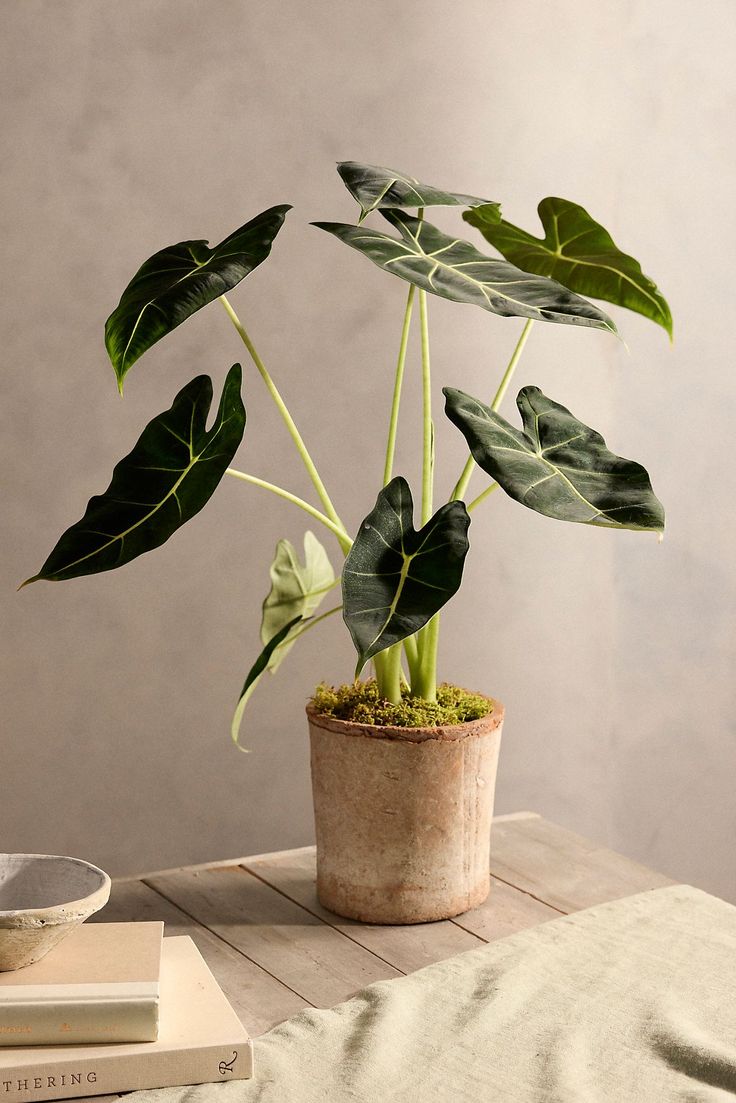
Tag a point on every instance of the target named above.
point(274, 950)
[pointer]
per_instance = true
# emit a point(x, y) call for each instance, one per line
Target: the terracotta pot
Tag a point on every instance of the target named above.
point(403, 817)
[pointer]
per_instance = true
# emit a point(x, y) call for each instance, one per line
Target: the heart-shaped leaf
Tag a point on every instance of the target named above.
point(176, 282)
point(558, 466)
point(255, 674)
point(395, 579)
point(167, 478)
point(579, 253)
point(296, 589)
point(456, 270)
point(377, 188)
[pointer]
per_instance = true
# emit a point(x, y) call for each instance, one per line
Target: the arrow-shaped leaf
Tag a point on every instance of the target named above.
point(176, 282)
point(579, 253)
point(296, 589)
point(255, 674)
point(395, 579)
point(456, 270)
point(558, 466)
point(378, 188)
point(167, 478)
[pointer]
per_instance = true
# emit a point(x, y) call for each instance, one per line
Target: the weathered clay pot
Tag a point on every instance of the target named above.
point(403, 817)
point(42, 898)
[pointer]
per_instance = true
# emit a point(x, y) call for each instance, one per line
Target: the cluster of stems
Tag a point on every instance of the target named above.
point(419, 651)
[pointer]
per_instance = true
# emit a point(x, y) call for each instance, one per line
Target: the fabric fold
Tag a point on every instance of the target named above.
point(626, 1002)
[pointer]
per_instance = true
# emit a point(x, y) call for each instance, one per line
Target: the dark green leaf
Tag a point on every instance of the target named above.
point(378, 188)
point(176, 282)
point(296, 589)
point(456, 270)
point(395, 579)
point(255, 674)
point(558, 466)
point(167, 478)
point(579, 253)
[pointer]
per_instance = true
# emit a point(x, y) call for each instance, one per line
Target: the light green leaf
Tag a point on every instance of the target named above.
point(255, 674)
point(579, 253)
point(179, 280)
point(377, 188)
point(454, 269)
point(296, 589)
point(558, 466)
point(395, 579)
point(169, 476)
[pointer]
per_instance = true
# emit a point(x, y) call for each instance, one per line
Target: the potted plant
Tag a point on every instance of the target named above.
point(403, 769)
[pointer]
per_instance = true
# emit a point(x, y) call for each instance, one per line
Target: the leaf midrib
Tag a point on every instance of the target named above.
point(430, 257)
point(558, 256)
point(172, 493)
point(538, 454)
point(153, 301)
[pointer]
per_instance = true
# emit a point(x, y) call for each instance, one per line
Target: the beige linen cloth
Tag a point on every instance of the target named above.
point(629, 1001)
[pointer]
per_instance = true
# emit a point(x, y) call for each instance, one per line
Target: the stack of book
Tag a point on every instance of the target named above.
point(113, 1008)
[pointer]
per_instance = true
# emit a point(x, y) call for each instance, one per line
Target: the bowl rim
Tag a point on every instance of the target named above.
point(65, 910)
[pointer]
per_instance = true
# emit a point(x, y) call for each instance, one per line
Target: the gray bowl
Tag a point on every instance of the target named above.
point(42, 898)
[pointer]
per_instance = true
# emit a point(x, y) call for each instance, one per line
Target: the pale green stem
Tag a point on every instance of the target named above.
point(426, 664)
point(288, 419)
point(394, 422)
point(338, 530)
point(427, 456)
point(302, 628)
point(482, 496)
point(425, 684)
point(387, 665)
point(412, 655)
point(425, 674)
point(462, 484)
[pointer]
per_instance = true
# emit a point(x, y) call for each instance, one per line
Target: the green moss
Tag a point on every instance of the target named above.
point(360, 703)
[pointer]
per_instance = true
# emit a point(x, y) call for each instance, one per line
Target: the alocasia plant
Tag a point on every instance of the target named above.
point(395, 578)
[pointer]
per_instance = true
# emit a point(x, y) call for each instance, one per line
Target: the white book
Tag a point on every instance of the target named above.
point(201, 1041)
point(101, 984)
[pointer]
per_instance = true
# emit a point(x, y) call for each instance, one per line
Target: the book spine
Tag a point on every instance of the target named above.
point(69, 1079)
point(78, 1022)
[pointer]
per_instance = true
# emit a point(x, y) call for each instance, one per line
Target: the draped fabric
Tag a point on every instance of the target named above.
point(629, 1001)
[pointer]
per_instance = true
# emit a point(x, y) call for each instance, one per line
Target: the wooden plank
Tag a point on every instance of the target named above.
point(506, 911)
point(244, 860)
point(406, 947)
point(310, 957)
point(150, 874)
point(516, 816)
point(259, 999)
point(563, 869)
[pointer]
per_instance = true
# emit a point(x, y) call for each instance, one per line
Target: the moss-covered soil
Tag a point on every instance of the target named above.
point(360, 703)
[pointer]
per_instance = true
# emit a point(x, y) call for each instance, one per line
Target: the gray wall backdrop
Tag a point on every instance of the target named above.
point(132, 125)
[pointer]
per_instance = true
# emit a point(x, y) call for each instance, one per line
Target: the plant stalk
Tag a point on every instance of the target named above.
point(398, 382)
point(387, 665)
point(462, 484)
point(482, 496)
point(412, 657)
point(288, 419)
point(300, 629)
point(425, 683)
point(428, 433)
point(338, 530)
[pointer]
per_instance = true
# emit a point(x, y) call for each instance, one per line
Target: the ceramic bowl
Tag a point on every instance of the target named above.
point(42, 898)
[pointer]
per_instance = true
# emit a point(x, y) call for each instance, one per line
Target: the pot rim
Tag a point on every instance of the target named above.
point(484, 725)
